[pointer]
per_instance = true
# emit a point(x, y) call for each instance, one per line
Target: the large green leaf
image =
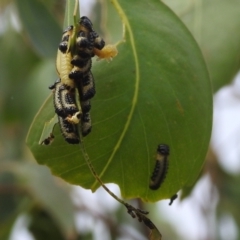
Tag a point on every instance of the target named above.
point(156, 90)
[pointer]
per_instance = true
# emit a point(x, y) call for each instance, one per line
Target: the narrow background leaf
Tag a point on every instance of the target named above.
point(35, 15)
point(215, 25)
point(70, 7)
point(39, 184)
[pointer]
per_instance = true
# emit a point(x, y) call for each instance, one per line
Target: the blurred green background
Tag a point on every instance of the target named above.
point(48, 208)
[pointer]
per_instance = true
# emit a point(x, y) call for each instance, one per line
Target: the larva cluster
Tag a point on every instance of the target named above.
point(73, 65)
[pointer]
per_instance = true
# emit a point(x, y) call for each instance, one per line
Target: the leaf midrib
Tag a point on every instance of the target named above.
point(136, 87)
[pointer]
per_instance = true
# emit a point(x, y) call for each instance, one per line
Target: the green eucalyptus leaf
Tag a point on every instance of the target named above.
point(215, 25)
point(157, 90)
point(71, 7)
point(46, 192)
point(40, 25)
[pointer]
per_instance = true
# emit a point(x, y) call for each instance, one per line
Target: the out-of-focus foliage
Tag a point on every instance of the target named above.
point(25, 74)
point(215, 25)
point(24, 80)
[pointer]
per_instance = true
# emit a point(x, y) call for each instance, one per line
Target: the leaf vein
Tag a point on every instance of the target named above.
point(136, 91)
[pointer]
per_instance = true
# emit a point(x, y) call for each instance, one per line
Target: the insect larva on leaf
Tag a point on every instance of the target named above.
point(57, 100)
point(75, 118)
point(52, 87)
point(84, 44)
point(87, 27)
point(68, 100)
point(108, 52)
point(161, 167)
point(86, 124)
point(48, 140)
point(63, 46)
point(98, 41)
point(78, 73)
point(85, 24)
point(64, 58)
point(94, 40)
point(87, 88)
point(174, 197)
point(64, 101)
point(69, 131)
point(64, 67)
point(79, 61)
point(64, 89)
point(74, 69)
point(86, 106)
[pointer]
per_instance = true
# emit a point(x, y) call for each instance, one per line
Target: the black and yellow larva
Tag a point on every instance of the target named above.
point(161, 167)
point(64, 67)
point(86, 29)
point(69, 101)
point(86, 106)
point(86, 124)
point(87, 39)
point(64, 92)
point(69, 131)
point(63, 46)
point(85, 24)
point(64, 88)
point(78, 73)
point(86, 88)
point(64, 100)
point(98, 41)
point(74, 69)
point(64, 106)
point(48, 140)
point(85, 44)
